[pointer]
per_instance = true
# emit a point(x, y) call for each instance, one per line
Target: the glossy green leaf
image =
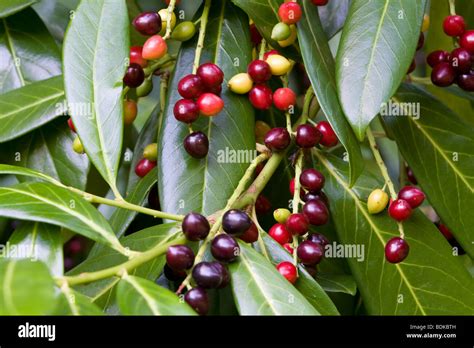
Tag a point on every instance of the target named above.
point(204, 185)
point(439, 147)
point(306, 284)
point(9, 7)
point(29, 107)
point(58, 206)
point(28, 51)
point(9, 169)
point(96, 49)
point(259, 289)
point(138, 296)
point(337, 283)
point(320, 68)
point(74, 303)
point(430, 281)
point(39, 241)
point(377, 46)
point(49, 150)
point(18, 278)
point(101, 257)
point(56, 15)
point(122, 218)
point(333, 16)
point(265, 16)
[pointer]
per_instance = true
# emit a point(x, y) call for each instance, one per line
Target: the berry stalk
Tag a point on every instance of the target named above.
point(202, 34)
point(170, 10)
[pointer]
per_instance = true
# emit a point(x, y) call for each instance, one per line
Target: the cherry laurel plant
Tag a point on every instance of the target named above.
point(249, 157)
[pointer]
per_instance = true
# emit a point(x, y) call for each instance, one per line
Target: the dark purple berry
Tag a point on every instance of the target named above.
point(225, 248)
point(134, 76)
point(147, 23)
point(180, 257)
point(197, 298)
point(277, 139)
point(236, 222)
point(310, 253)
point(195, 226)
point(210, 275)
point(196, 144)
point(312, 180)
point(186, 110)
point(316, 212)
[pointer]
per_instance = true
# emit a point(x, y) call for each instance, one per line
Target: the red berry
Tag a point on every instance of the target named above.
point(259, 71)
point(297, 224)
point(154, 48)
point(454, 25)
point(310, 253)
point(196, 144)
point(316, 212)
point(284, 98)
point(269, 53)
point(190, 86)
point(277, 139)
point(144, 167)
point(466, 82)
point(147, 23)
point(290, 12)
point(186, 110)
point(261, 97)
point(211, 75)
point(251, 235)
point(445, 231)
point(413, 195)
point(443, 75)
point(436, 57)
point(399, 210)
point(195, 226)
point(210, 104)
point(288, 270)
point(217, 90)
point(307, 136)
point(460, 60)
point(319, 2)
point(71, 124)
point(288, 248)
point(312, 180)
point(280, 233)
point(329, 137)
point(255, 36)
point(467, 41)
point(136, 56)
point(179, 257)
point(134, 76)
point(262, 205)
point(396, 250)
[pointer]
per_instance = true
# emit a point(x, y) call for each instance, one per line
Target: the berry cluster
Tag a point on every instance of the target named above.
point(254, 82)
point(224, 248)
point(201, 96)
point(284, 32)
point(148, 162)
point(455, 66)
point(400, 209)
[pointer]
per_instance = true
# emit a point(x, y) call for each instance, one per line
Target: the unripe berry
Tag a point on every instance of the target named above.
point(151, 152)
point(71, 125)
point(77, 146)
point(260, 97)
point(210, 104)
point(164, 20)
point(136, 56)
point(281, 215)
point(154, 48)
point(279, 233)
point(240, 83)
point(288, 270)
point(291, 39)
point(279, 65)
point(426, 23)
point(281, 31)
point(290, 12)
point(130, 111)
point(454, 25)
point(145, 88)
point(269, 53)
point(396, 250)
point(377, 201)
point(399, 210)
point(284, 98)
point(144, 167)
point(184, 31)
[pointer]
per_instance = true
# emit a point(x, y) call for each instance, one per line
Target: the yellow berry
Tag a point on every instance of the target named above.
point(151, 152)
point(281, 215)
point(291, 39)
point(377, 201)
point(77, 146)
point(426, 23)
point(279, 65)
point(130, 111)
point(164, 20)
point(261, 129)
point(240, 83)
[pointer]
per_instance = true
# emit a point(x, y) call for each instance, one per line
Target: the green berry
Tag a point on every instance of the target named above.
point(184, 31)
point(281, 215)
point(151, 152)
point(281, 31)
point(145, 88)
point(77, 146)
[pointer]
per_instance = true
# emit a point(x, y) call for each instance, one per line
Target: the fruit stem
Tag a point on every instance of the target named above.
point(263, 46)
point(260, 230)
point(121, 203)
point(384, 171)
point(170, 10)
point(230, 203)
point(297, 199)
point(134, 262)
point(452, 7)
point(157, 64)
point(421, 80)
point(202, 34)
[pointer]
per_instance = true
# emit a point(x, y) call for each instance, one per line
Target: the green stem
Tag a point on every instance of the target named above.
point(263, 46)
point(118, 270)
point(452, 7)
point(297, 199)
point(421, 80)
point(158, 64)
point(202, 34)
point(168, 20)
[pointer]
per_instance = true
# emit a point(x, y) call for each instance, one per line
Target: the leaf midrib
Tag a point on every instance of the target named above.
point(373, 226)
point(13, 52)
point(143, 292)
point(32, 105)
